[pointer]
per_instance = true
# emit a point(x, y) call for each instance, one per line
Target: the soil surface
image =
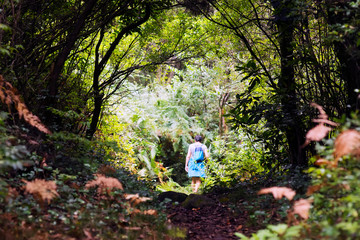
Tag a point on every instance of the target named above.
point(218, 222)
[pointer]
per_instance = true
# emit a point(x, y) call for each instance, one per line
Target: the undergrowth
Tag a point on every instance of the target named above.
point(64, 189)
point(329, 209)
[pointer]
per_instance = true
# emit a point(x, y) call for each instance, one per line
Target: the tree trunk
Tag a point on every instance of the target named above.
point(98, 101)
point(222, 102)
point(98, 97)
point(294, 129)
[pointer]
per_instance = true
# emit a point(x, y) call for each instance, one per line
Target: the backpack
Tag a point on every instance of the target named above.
point(198, 154)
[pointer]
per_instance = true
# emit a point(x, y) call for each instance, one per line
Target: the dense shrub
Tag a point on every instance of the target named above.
point(330, 207)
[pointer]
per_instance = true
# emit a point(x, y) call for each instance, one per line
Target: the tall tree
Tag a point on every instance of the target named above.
point(289, 53)
point(285, 17)
point(284, 84)
point(144, 12)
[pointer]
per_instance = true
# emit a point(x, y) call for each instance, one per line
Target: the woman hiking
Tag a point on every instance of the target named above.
point(195, 162)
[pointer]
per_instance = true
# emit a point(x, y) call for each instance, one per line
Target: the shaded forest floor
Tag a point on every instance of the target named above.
point(225, 217)
point(71, 199)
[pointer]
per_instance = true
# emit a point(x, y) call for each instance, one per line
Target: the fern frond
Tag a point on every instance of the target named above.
point(9, 96)
point(41, 189)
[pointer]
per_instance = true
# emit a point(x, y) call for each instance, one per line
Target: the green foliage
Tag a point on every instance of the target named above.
point(344, 29)
point(7, 48)
point(13, 153)
point(175, 35)
point(160, 128)
point(160, 108)
point(170, 185)
point(334, 194)
point(233, 159)
point(71, 121)
point(274, 232)
point(76, 210)
point(162, 119)
point(72, 152)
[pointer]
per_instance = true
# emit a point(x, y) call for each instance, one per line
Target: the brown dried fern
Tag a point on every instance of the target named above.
point(9, 95)
point(42, 190)
point(104, 184)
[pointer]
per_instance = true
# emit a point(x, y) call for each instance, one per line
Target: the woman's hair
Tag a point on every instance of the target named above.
point(198, 138)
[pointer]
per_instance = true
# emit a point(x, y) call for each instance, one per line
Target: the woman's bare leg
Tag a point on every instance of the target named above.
point(193, 183)
point(197, 184)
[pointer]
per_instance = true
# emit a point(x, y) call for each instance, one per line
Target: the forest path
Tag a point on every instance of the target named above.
point(218, 221)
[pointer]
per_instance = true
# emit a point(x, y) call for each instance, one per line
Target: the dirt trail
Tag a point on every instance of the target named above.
point(210, 222)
